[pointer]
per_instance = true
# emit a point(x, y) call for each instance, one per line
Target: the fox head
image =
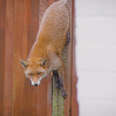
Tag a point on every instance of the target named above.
point(35, 70)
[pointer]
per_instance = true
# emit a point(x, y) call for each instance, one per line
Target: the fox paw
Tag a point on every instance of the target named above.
point(64, 94)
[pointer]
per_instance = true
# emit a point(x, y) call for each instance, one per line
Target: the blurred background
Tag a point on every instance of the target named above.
point(96, 57)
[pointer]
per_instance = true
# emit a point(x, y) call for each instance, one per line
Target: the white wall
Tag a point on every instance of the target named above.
point(96, 57)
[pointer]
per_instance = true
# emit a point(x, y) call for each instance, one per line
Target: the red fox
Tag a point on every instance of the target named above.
point(45, 55)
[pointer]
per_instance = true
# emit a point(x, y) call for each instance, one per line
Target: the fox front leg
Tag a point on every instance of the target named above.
point(57, 67)
point(59, 82)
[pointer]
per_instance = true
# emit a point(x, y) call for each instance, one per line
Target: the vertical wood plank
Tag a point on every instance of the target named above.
point(31, 19)
point(68, 77)
point(74, 102)
point(9, 36)
point(20, 51)
point(2, 49)
point(57, 101)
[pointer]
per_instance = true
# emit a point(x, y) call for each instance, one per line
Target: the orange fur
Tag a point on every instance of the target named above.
point(50, 40)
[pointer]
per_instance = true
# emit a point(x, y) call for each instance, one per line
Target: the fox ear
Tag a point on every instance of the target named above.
point(24, 63)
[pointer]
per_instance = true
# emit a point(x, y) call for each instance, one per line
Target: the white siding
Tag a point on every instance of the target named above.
point(96, 57)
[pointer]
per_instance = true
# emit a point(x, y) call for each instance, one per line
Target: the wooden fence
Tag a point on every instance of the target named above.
point(19, 23)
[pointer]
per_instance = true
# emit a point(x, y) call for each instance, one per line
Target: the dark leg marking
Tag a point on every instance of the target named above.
point(67, 38)
point(59, 83)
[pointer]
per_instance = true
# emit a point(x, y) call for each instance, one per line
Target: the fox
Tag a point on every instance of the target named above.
point(45, 57)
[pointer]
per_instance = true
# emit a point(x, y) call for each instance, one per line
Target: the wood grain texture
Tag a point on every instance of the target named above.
point(20, 51)
point(19, 24)
point(74, 103)
point(9, 37)
point(2, 51)
point(57, 101)
point(68, 68)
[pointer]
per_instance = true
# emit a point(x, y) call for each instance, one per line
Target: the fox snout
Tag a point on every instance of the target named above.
point(35, 82)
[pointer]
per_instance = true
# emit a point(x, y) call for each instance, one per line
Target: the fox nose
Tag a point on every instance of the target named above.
point(35, 84)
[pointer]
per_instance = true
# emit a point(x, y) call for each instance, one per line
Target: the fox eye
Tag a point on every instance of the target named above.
point(38, 73)
point(43, 63)
point(31, 74)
